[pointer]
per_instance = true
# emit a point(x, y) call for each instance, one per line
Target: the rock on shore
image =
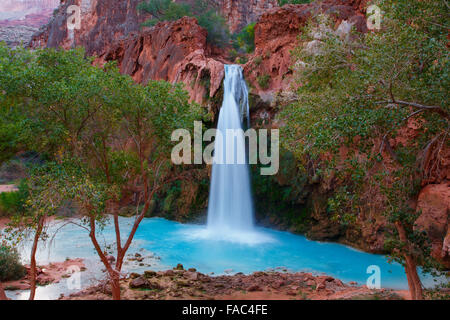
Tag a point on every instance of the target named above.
point(179, 284)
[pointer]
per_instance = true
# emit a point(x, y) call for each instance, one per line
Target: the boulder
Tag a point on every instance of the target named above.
point(169, 273)
point(191, 275)
point(254, 287)
point(149, 274)
point(139, 283)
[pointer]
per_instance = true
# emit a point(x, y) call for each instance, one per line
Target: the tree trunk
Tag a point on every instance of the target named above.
point(2, 293)
point(37, 235)
point(115, 286)
point(414, 283)
point(113, 275)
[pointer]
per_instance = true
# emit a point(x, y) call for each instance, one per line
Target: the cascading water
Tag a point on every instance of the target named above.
point(230, 201)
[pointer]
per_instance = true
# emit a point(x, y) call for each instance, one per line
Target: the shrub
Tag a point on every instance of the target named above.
point(263, 81)
point(10, 266)
point(13, 202)
point(207, 17)
point(216, 25)
point(245, 39)
point(163, 10)
point(283, 2)
point(242, 60)
point(257, 61)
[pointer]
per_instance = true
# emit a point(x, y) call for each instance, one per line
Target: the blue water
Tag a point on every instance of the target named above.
point(269, 249)
point(168, 243)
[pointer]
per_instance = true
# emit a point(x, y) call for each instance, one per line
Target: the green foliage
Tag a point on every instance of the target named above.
point(13, 124)
point(163, 10)
point(283, 2)
point(14, 202)
point(263, 81)
point(206, 15)
point(102, 133)
point(245, 40)
point(283, 204)
point(355, 94)
point(10, 266)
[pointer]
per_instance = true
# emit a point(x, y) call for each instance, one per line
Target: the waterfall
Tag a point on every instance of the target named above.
point(230, 200)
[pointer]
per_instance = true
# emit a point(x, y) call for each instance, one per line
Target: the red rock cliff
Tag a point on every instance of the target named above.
point(172, 51)
point(240, 13)
point(276, 35)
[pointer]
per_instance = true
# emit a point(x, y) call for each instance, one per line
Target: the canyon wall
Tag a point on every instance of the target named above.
point(241, 13)
point(173, 51)
point(178, 52)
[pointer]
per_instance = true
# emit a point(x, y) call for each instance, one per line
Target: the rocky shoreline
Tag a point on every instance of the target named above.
point(180, 284)
point(48, 274)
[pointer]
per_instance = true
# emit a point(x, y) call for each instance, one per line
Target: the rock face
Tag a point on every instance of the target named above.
point(102, 22)
point(241, 13)
point(434, 208)
point(173, 51)
point(177, 51)
point(276, 35)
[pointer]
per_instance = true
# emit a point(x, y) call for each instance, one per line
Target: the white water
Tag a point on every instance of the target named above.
point(230, 212)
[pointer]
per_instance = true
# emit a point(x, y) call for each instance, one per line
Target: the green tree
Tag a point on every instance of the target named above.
point(246, 39)
point(104, 134)
point(14, 133)
point(355, 94)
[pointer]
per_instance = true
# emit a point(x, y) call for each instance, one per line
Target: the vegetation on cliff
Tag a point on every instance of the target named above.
point(207, 16)
point(356, 95)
